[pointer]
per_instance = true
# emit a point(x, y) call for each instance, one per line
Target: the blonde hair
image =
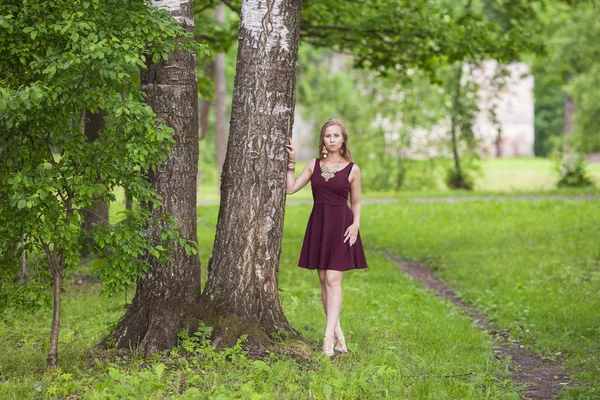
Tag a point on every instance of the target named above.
point(345, 149)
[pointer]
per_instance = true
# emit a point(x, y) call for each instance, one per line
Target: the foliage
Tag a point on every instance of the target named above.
point(587, 116)
point(62, 59)
point(219, 38)
point(392, 123)
point(549, 119)
point(462, 106)
point(570, 165)
point(397, 36)
point(570, 66)
point(381, 115)
point(390, 39)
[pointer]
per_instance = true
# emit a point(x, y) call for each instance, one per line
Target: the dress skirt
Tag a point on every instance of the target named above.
point(323, 246)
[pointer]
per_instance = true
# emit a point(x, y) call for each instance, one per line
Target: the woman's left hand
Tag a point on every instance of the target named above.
point(351, 234)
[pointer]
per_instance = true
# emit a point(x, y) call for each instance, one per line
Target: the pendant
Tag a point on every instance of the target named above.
point(328, 173)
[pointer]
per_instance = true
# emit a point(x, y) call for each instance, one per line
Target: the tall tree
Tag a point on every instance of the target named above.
point(220, 101)
point(64, 58)
point(243, 271)
point(166, 294)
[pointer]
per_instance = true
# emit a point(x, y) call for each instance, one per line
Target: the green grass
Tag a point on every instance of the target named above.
point(533, 267)
point(405, 343)
point(522, 174)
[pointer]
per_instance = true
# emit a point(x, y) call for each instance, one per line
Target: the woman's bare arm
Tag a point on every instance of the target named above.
point(352, 232)
point(293, 184)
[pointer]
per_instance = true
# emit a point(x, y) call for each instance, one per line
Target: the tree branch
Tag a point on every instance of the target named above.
point(231, 6)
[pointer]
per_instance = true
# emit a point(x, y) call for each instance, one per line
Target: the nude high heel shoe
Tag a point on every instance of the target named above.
point(328, 345)
point(341, 344)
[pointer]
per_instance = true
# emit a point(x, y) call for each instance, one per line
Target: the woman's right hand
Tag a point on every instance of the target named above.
point(291, 151)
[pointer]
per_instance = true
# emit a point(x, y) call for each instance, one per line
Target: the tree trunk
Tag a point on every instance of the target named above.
point(569, 112)
point(220, 93)
point(204, 107)
point(94, 124)
point(166, 295)
point(243, 272)
point(52, 359)
point(458, 181)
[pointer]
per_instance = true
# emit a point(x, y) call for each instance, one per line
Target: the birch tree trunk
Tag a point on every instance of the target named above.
point(243, 271)
point(569, 112)
point(220, 93)
point(166, 296)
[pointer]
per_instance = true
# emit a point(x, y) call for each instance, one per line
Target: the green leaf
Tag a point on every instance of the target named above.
point(159, 369)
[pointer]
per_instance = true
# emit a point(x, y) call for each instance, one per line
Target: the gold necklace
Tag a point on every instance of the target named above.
point(329, 172)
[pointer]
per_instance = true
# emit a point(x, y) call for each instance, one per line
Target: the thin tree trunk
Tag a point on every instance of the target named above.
point(23, 257)
point(569, 112)
point(220, 94)
point(52, 359)
point(203, 115)
point(204, 108)
point(243, 272)
point(166, 295)
point(94, 124)
point(458, 181)
point(498, 144)
point(23, 274)
point(458, 178)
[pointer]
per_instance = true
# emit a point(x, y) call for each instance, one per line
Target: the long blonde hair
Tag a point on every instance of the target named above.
point(345, 149)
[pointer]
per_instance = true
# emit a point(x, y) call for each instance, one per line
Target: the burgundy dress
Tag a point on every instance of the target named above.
point(324, 246)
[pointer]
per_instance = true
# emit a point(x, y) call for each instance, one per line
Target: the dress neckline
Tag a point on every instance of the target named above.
point(346, 166)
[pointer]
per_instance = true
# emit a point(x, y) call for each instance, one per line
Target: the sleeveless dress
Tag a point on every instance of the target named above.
point(324, 246)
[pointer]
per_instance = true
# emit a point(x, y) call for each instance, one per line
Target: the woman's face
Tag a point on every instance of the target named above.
point(333, 138)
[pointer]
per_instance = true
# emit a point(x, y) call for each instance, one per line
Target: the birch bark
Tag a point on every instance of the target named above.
point(243, 271)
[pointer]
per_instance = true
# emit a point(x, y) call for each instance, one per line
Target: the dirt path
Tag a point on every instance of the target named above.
point(536, 377)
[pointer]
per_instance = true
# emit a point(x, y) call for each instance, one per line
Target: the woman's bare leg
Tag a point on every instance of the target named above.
point(333, 286)
point(338, 328)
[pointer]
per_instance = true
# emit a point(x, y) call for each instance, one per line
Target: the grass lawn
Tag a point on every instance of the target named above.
point(405, 343)
point(533, 267)
point(522, 174)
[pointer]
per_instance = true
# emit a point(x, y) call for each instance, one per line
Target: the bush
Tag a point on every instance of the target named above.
point(570, 165)
point(455, 181)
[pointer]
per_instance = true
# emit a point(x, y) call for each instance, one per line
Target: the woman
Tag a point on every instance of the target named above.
point(332, 243)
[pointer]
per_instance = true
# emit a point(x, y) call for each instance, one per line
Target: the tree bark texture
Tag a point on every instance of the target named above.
point(220, 104)
point(243, 271)
point(166, 295)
